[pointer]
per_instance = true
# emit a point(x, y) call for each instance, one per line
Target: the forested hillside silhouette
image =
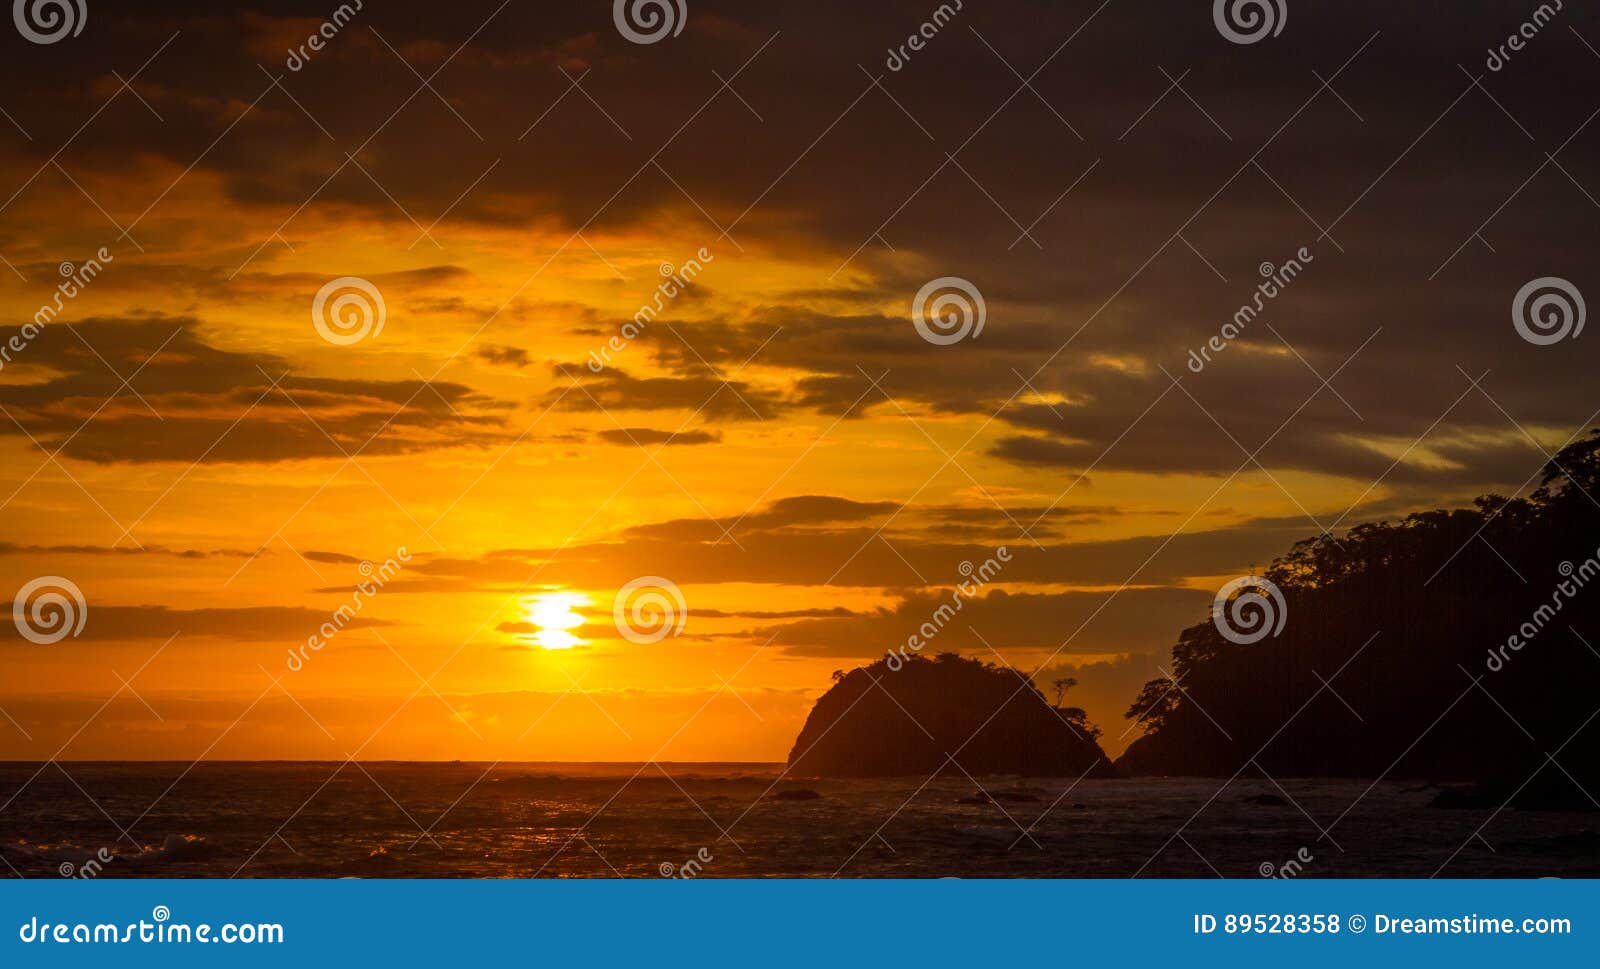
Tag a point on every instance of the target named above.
point(908, 716)
point(1395, 660)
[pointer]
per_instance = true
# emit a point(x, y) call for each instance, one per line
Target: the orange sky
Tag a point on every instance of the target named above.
point(184, 446)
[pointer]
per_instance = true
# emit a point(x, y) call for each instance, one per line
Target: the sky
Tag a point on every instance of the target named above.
point(489, 322)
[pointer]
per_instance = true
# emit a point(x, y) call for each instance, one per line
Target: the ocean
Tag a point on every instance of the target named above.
point(475, 820)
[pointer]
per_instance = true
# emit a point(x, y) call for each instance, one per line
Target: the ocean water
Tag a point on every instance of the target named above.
point(465, 820)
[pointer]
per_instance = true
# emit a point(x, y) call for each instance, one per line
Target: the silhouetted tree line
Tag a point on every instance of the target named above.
point(1409, 625)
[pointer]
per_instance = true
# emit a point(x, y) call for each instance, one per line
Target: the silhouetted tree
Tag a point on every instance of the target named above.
point(1397, 620)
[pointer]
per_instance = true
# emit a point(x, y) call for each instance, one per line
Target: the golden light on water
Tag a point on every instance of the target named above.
point(555, 616)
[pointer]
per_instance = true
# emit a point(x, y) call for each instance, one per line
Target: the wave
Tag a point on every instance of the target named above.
point(175, 847)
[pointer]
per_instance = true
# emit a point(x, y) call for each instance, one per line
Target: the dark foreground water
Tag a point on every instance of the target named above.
point(719, 820)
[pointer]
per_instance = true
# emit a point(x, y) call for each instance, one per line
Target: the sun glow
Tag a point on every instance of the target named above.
point(554, 615)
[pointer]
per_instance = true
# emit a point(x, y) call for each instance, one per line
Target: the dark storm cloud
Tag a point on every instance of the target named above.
point(618, 392)
point(503, 356)
point(1177, 195)
point(1080, 622)
point(412, 586)
point(950, 89)
point(211, 405)
point(837, 612)
point(945, 521)
point(641, 436)
point(818, 541)
point(330, 558)
point(784, 513)
point(1261, 392)
point(996, 524)
point(7, 548)
point(1025, 155)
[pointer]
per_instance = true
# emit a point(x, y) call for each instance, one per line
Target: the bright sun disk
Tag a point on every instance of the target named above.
point(553, 613)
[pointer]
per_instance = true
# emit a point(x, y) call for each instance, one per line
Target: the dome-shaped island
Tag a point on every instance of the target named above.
point(948, 715)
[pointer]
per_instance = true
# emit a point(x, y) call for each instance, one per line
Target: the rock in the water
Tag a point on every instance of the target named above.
point(1016, 797)
point(797, 794)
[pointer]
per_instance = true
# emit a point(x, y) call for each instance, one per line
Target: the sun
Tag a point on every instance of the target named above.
point(555, 616)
